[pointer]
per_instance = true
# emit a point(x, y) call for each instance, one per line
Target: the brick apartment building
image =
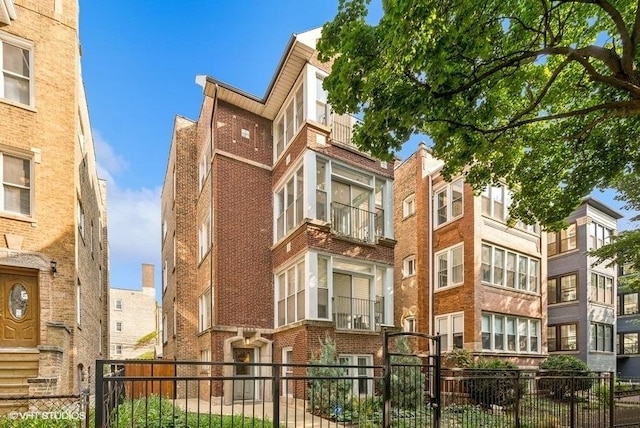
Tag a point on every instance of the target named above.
point(53, 239)
point(581, 295)
point(461, 271)
point(134, 328)
point(276, 230)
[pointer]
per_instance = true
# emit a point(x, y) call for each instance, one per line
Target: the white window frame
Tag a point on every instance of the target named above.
point(282, 204)
point(494, 195)
point(165, 333)
point(164, 275)
point(518, 323)
point(449, 253)
point(118, 305)
point(409, 206)
point(281, 137)
point(518, 275)
point(288, 287)
point(118, 327)
point(204, 237)
point(448, 206)
point(117, 349)
point(79, 303)
point(354, 372)
point(29, 47)
point(409, 266)
point(204, 311)
point(454, 323)
point(409, 324)
point(81, 218)
point(31, 186)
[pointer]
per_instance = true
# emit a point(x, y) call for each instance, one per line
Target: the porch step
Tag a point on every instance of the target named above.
point(17, 366)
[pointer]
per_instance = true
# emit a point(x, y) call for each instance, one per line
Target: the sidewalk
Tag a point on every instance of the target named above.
point(292, 414)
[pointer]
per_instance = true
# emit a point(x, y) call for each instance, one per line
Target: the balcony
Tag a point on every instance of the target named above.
point(358, 314)
point(355, 223)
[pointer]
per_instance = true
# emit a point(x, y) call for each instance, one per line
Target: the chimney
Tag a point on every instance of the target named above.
point(148, 283)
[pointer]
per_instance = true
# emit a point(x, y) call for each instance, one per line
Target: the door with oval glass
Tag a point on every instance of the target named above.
point(19, 307)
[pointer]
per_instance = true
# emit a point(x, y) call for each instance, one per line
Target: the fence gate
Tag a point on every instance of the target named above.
point(412, 379)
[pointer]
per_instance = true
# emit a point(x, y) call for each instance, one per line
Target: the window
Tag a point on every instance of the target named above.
point(204, 311)
point(323, 288)
point(289, 204)
point(628, 343)
point(322, 108)
point(409, 266)
point(505, 268)
point(448, 202)
point(117, 348)
point(562, 337)
point(409, 206)
point(360, 368)
point(118, 304)
point(164, 230)
point(451, 328)
point(356, 201)
point(562, 289)
point(175, 317)
point(291, 300)
point(205, 357)
point(601, 289)
point(204, 237)
point(495, 202)
point(78, 304)
point(409, 324)
point(164, 275)
point(507, 333)
point(80, 134)
point(16, 58)
point(599, 235)
point(203, 167)
point(165, 330)
point(628, 304)
point(16, 184)
point(80, 218)
point(601, 337)
point(450, 267)
point(563, 241)
point(119, 326)
point(290, 120)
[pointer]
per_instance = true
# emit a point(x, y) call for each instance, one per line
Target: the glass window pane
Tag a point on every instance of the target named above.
point(486, 263)
point(498, 267)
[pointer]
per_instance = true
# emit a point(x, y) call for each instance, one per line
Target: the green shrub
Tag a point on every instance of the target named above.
point(407, 378)
point(329, 391)
point(563, 374)
point(457, 358)
point(493, 382)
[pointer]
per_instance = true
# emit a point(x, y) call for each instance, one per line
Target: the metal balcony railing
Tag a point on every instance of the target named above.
point(358, 314)
point(342, 126)
point(353, 222)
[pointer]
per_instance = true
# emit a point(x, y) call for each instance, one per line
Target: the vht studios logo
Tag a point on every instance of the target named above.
point(53, 415)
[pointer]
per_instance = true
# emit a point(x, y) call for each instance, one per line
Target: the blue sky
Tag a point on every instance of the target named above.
point(139, 63)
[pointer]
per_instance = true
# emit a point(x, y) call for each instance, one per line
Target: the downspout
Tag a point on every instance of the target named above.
point(430, 247)
point(211, 211)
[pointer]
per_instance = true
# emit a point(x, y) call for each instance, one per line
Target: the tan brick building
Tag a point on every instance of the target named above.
point(53, 240)
point(134, 315)
point(461, 271)
point(277, 231)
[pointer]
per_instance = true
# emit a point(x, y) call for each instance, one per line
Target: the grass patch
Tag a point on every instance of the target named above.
point(156, 412)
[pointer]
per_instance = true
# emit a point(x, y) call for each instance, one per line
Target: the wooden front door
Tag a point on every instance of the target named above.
point(19, 310)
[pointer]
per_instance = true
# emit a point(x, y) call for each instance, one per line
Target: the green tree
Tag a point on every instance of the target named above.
point(543, 94)
point(407, 378)
point(329, 386)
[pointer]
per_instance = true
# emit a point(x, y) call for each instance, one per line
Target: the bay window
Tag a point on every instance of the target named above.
point(290, 120)
point(505, 333)
point(289, 203)
point(504, 268)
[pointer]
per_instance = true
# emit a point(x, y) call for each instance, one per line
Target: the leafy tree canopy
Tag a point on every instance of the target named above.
point(542, 94)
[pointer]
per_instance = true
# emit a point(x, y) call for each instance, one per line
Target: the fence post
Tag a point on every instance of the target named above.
point(438, 382)
point(99, 394)
point(276, 395)
point(612, 403)
point(572, 402)
point(386, 381)
point(517, 404)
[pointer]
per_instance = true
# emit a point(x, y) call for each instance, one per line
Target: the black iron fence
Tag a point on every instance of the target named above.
point(203, 394)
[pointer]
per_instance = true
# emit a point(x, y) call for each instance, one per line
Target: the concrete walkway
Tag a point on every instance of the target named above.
point(292, 414)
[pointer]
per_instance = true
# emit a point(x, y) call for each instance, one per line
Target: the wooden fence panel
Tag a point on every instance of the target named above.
point(145, 388)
